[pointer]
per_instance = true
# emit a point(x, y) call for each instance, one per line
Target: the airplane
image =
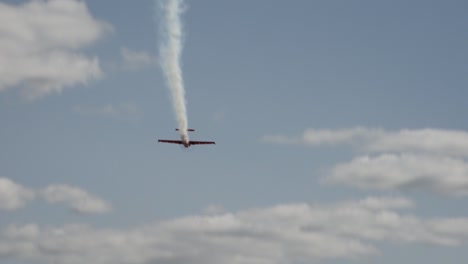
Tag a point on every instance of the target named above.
point(185, 141)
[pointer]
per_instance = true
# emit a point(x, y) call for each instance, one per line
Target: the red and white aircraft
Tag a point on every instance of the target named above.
point(185, 141)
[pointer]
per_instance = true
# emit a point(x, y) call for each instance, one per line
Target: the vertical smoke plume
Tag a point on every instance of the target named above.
point(170, 51)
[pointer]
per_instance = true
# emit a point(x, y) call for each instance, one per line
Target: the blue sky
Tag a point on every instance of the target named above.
point(339, 126)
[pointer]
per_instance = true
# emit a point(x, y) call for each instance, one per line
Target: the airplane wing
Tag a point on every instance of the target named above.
point(201, 142)
point(171, 141)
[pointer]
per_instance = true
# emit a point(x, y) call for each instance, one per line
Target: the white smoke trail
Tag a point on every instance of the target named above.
point(170, 51)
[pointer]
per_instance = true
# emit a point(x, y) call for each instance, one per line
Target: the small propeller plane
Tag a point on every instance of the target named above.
point(185, 141)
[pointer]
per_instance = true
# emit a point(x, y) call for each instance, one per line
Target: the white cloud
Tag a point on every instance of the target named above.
point(424, 159)
point(135, 60)
point(12, 195)
point(353, 135)
point(76, 198)
point(439, 174)
point(120, 110)
point(435, 141)
point(40, 43)
point(288, 233)
point(316, 137)
point(378, 203)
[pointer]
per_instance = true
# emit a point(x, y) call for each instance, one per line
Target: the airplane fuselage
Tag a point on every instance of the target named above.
point(185, 141)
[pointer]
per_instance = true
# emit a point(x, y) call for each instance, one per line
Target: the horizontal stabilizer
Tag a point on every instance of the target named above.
point(188, 130)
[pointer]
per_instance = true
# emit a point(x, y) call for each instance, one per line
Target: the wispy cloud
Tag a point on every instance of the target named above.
point(135, 60)
point(15, 196)
point(437, 141)
point(40, 43)
point(77, 199)
point(317, 137)
point(424, 159)
point(214, 209)
point(126, 110)
point(286, 233)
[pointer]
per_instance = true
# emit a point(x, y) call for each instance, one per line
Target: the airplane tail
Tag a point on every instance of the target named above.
point(188, 130)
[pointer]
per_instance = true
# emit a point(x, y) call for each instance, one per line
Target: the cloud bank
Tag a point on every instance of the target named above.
point(286, 233)
point(423, 159)
point(41, 46)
